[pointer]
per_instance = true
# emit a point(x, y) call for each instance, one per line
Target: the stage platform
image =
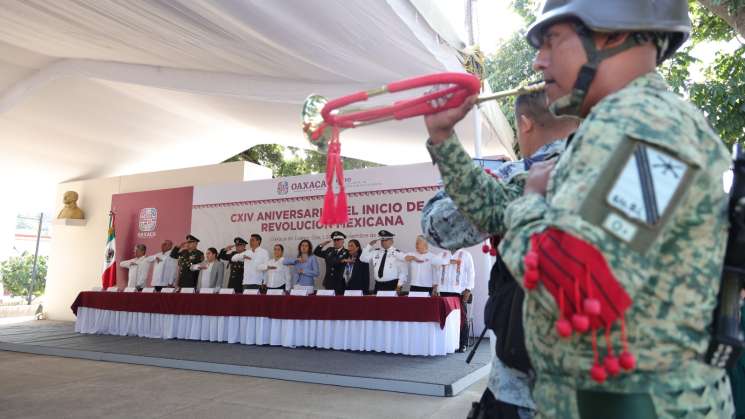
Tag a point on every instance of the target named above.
point(433, 376)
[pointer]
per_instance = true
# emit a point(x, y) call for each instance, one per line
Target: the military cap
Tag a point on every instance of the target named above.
point(338, 235)
point(190, 238)
point(385, 235)
point(239, 241)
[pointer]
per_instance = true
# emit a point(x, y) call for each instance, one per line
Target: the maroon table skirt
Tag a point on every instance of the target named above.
point(403, 309)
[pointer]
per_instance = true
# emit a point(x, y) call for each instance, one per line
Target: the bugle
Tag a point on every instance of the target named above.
point(321, 116)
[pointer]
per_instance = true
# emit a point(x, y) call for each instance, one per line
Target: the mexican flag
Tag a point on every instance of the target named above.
point(108, 277)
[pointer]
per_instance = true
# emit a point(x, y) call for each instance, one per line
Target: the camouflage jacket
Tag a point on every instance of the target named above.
point(666, 252)
point(447, 228)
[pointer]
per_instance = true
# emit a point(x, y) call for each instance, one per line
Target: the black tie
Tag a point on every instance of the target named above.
point(382, 264)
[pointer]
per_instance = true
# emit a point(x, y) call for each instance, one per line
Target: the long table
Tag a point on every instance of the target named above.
point(401, 325)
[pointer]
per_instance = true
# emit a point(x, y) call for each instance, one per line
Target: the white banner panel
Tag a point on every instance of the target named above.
point(287, 210)
point(361, 180)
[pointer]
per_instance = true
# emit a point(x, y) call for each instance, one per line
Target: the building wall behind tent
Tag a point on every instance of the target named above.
point(77, 255)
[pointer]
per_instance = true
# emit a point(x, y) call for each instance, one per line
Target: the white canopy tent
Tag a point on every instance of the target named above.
point(92, 88)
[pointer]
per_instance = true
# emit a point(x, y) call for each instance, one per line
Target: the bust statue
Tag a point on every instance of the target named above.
point(71, 209)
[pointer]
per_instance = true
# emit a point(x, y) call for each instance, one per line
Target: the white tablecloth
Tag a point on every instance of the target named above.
point(407, 338)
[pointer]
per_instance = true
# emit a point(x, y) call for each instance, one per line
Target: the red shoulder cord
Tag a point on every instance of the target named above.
point(587, 293)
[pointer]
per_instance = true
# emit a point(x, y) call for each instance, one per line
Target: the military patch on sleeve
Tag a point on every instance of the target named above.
point(646, 184)
point(637, 191)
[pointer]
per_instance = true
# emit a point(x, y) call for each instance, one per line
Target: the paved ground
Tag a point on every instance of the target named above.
point(33, 386)
point(412, 372)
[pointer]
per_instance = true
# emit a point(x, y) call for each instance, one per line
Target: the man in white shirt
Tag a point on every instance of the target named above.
point(165, 267)
point(457, 278)
point(386, 261)
point(253, 258)
point(138, 268)
point(422, 265)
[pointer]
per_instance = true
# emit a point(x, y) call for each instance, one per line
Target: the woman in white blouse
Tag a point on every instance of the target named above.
point(211, 270)
point(277, 273)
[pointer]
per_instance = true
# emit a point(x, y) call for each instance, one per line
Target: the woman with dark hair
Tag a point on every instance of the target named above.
point(356, 273)
point(212, 271)
point(306, 266)
point(277, 273)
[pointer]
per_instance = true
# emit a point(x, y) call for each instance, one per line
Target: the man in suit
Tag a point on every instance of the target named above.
point(332, 256)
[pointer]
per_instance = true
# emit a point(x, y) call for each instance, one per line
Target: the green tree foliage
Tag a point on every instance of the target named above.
point(512, 64)
point(302, 162)
point(509, 67)
point(731, 11)
point(721, 94)
point(16, 274)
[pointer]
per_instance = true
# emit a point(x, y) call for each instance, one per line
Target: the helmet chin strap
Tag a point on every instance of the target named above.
point(571, 104)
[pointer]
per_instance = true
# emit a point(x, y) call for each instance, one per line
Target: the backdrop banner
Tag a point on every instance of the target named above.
point(149, 218)
point(285, 211)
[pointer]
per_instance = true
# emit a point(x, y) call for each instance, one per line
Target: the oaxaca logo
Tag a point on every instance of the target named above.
point(283, 188)
point(313, 185)
point(148, 219)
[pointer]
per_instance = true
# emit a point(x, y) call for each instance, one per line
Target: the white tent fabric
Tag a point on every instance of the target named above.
point(92, 88)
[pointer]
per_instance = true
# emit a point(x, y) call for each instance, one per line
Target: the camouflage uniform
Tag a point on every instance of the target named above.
point(447, 228)
point(672, 277)
point(186, 277)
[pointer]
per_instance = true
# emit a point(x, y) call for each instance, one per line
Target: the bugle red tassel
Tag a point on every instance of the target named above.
point(334, 206)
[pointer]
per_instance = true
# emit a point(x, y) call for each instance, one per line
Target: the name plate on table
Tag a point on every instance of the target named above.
point(187, 291)
point(418, 294)
point(251, 292)
point(353, 293)
point(227, 291)
point(168, 290)
point(302, 292)
point(112, 289)
point(206, 290)
point(275, 292)
point(387, 294)
point(97, 289)
point(148, 289)
point(326, 293)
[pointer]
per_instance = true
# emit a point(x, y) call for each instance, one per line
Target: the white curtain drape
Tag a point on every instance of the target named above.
point(406, 338)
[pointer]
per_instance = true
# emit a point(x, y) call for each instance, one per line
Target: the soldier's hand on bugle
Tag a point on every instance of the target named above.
point(440, 125)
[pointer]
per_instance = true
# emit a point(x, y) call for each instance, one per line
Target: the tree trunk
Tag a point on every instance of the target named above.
point(736, 19)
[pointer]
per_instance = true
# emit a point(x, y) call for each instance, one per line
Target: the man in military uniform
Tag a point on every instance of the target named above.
point(386, 261)
point(235, 280)
point(540, 135)
point(187, 255)
point(332, 256)
point(604, 236)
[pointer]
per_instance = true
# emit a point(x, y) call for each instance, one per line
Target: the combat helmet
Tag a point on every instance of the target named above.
point(666, 22)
